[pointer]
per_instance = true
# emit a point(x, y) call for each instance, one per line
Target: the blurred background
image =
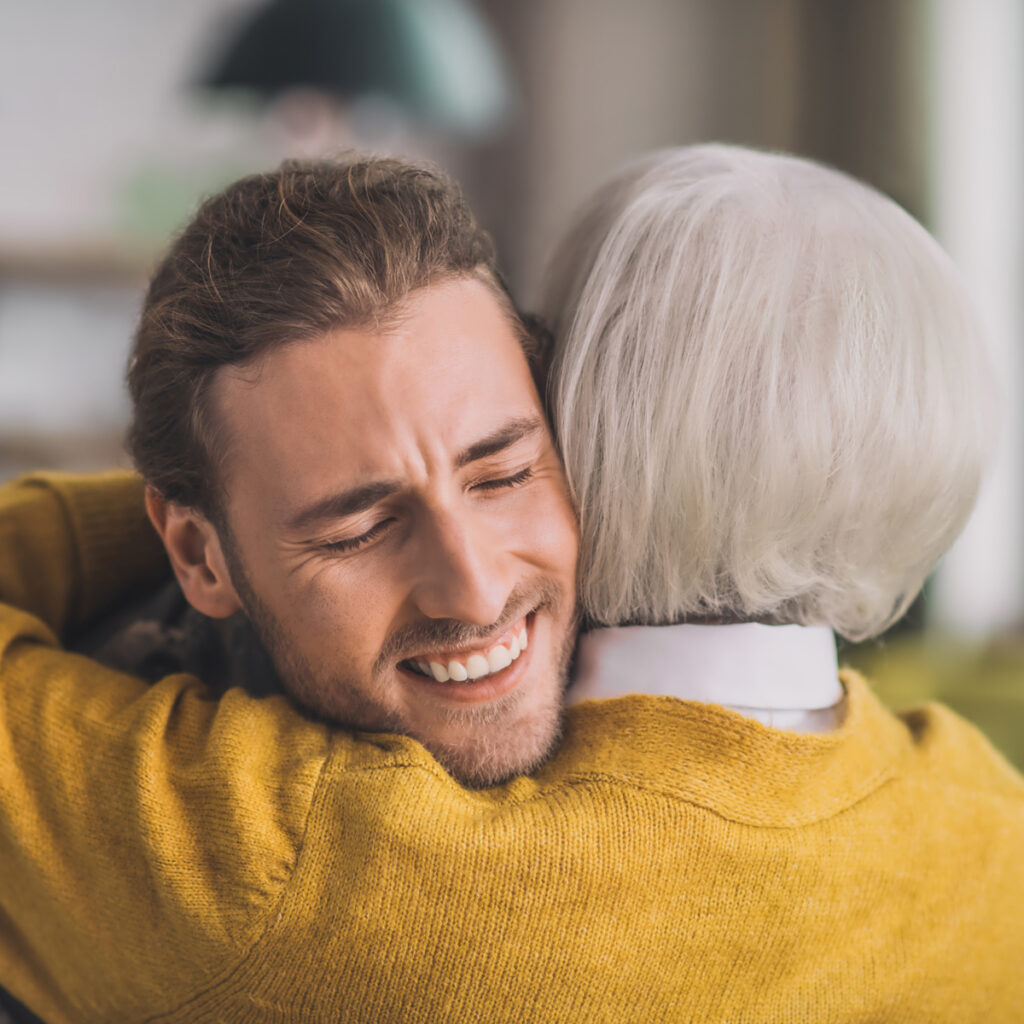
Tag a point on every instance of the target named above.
point(118, 115)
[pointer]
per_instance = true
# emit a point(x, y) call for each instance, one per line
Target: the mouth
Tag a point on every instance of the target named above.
point(481, 672)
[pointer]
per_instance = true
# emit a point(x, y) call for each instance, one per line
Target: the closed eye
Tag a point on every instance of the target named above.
point(506, 481)
point(352, 543)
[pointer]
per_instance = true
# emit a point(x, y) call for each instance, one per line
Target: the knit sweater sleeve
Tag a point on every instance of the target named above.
point(72, 546)
point(146, 832)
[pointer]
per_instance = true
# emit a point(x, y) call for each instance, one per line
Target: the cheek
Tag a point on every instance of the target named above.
point(342, 610)
point(563, 540)
point(550, 526)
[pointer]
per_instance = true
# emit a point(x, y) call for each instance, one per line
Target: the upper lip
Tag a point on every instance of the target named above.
point(447, 654)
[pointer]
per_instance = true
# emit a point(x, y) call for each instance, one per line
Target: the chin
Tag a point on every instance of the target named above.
point(490, 753)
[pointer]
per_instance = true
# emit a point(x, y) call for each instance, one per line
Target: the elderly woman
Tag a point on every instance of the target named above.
point(775, 413)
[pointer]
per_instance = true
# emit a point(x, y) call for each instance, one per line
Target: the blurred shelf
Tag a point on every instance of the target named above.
point(94, 261)
point(81, 451)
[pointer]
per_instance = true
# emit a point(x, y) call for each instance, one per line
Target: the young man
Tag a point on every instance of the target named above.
point(337, 419)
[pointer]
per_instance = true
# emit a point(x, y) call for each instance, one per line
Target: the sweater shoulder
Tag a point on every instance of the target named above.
point(949, 750)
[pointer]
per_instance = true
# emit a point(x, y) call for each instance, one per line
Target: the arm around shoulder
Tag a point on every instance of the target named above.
point(146, 832)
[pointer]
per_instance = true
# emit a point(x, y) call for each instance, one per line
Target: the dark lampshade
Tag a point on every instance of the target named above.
point(436, 59)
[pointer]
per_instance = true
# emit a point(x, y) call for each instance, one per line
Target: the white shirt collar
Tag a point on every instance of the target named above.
point(741, 666)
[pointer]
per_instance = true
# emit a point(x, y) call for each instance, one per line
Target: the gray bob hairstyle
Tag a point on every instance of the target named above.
point(769, 390)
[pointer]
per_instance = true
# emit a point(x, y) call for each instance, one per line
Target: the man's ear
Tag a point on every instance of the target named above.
point(196, 556)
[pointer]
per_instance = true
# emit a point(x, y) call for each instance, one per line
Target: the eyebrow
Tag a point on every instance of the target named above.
point(345, 503)
point(504, 437)
point(359, 499)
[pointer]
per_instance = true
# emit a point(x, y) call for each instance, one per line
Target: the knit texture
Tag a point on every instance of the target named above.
point(165, 856)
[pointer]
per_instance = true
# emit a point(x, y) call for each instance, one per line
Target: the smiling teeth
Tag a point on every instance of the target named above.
point(476, 666)
point(499, 657)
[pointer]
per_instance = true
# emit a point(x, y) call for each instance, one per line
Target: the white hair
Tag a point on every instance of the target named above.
point(769, 392)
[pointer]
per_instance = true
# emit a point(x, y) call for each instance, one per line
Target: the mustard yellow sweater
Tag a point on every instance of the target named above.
point(168, 857)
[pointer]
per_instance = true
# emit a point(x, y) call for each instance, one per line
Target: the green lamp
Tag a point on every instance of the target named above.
point(437, 60)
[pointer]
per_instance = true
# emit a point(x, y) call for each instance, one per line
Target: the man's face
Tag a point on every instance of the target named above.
point(397, 512)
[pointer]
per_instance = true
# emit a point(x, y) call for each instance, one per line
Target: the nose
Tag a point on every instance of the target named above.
point(462, 571)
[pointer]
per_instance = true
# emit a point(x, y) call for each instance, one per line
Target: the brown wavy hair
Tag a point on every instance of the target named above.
point(281, 257)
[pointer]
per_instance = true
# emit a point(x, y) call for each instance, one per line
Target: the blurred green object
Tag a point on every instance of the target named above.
point(983, 683)
point(156, 199)
point(436, 59)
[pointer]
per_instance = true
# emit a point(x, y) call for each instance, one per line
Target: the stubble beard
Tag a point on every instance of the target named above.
point(497, 741)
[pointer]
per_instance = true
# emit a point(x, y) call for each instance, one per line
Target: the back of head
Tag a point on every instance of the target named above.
point(276, 258)
point(769, 391)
